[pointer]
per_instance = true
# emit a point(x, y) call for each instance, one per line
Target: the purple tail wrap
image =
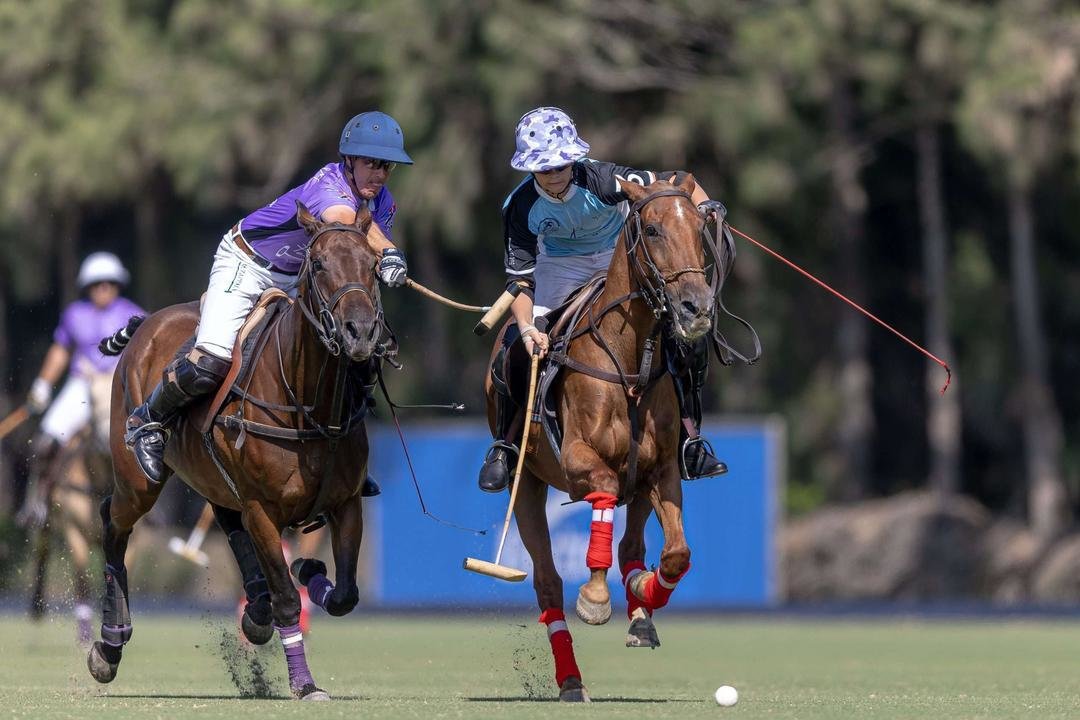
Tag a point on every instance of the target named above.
point(292, 640)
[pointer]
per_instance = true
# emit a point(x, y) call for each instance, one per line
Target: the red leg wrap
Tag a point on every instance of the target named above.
point(658, 589)
point(632, 603)
point(562, 645)
point(599, 555)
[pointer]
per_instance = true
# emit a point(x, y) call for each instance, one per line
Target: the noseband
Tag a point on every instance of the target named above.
point(321, 315)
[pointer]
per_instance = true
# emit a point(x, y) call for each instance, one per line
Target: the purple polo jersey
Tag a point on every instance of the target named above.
point(83, 325)
point(274, 232)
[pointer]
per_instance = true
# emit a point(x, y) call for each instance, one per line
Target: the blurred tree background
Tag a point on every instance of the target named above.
point(921, 155)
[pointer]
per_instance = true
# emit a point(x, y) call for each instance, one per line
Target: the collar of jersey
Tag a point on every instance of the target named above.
point(566, 198)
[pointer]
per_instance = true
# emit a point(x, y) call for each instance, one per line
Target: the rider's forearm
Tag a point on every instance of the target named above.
point(699, 195)
point(522, 309)
point(56, 361)
point(378, 240)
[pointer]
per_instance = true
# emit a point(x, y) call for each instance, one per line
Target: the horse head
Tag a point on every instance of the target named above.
point(338, 292)
point(667, 258)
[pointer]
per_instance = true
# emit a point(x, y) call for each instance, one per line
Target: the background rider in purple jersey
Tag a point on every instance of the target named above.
point(83, 323)
point(264, 250)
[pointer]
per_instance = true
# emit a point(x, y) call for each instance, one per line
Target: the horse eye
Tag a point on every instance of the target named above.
point(316, 265)
point(651, 231)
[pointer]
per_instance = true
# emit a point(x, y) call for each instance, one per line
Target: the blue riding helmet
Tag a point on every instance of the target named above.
point(374, 135)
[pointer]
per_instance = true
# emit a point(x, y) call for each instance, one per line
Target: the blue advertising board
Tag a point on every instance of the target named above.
point(730, 523)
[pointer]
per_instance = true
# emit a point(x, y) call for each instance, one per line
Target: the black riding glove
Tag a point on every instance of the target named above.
point(713, 207)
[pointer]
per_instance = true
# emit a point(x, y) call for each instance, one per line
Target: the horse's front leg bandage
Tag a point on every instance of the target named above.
point(601, 531)
point(562, 645)
point(631, 570)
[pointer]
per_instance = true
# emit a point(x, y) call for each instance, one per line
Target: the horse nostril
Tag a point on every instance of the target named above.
point(690, 307)
point(350, 327)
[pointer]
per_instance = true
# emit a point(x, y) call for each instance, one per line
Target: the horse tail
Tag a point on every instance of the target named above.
point(115, 343)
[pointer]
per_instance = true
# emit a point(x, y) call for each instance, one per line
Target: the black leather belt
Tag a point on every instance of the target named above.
point(240, 242)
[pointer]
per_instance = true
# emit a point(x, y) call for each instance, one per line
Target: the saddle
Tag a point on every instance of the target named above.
point(249, 343)
point(560, 322)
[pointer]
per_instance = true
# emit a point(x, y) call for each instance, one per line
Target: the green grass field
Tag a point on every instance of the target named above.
point(499, 667)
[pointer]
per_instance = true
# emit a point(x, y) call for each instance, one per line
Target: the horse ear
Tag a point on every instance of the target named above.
point(631, 190)
point(688, 184)
point(363, 219)
point(306, 219)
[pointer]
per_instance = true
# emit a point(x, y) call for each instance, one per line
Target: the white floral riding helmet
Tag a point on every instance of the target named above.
point(546, 138)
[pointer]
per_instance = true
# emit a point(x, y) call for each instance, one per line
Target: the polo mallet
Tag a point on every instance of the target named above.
point(16, 418)
point(492, 313)
point(190, 549)
point(494, 569)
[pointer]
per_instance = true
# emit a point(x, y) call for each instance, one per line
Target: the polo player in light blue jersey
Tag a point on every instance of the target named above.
point(560, 228)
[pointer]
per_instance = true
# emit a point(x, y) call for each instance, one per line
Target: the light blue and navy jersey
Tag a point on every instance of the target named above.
point(587, 220)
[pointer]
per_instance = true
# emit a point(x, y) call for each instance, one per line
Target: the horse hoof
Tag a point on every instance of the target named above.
point(255, 633)
point(642, 632)
point(573, 691)
point(311, 693)
point(102, 670)
point(591, 612)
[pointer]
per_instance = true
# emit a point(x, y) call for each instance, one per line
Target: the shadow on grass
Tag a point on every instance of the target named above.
point(523, 698)
point(183, 696)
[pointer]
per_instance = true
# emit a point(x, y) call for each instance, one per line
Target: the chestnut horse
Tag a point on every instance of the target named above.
point(620, 420)
point(294, 450)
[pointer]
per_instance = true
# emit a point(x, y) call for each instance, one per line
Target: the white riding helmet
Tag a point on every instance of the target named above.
point(102, 267)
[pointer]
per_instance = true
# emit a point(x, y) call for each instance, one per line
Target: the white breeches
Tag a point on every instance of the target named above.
point(557, 277)
point(83, 399)
point(235, 286)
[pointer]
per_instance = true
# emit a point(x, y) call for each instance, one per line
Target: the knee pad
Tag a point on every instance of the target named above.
point(197, 373)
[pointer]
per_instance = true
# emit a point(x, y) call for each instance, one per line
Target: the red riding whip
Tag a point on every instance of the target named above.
point(852, 303)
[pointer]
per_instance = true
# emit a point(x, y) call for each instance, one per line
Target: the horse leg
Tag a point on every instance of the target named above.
point(346, 533)
point(78, 513)
point(284, 601)
point(592, 479)
point(531, 516)
point(119, 512)
point(642, 632)
point(256, 623)
point(653, 588)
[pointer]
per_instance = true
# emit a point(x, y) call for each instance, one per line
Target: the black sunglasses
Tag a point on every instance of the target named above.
point(375, 164)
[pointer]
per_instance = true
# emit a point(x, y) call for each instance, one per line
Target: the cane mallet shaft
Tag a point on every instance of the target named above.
point(494, 569)
point(495, 314)
point(191, 549)
point(17, 417)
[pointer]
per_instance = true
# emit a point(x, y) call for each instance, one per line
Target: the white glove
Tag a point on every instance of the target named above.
point(40, 396)
point(392, 268)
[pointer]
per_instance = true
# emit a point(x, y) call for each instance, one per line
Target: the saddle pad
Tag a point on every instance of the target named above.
point(268, 306)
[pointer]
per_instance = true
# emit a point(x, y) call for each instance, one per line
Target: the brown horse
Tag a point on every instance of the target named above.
point(292, 449)
point(620, 420)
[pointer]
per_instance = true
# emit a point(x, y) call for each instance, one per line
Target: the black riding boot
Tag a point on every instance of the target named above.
point(183, 382)
point(495, 474)
point(696, 458)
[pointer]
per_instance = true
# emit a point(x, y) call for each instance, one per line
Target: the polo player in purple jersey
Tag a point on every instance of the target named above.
point(83, 323)
point(264, 250)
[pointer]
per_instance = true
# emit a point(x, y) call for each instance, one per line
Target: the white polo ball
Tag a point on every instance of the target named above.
point(726, 696)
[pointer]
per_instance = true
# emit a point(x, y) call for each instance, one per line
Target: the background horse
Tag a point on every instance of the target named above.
point(294, 449)
point(620, 421)
point(69, 484)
